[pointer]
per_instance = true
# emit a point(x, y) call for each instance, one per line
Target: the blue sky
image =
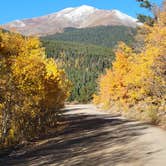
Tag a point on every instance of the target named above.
point(19, 9)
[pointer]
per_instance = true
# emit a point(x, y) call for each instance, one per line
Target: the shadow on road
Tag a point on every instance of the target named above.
point(88, 140)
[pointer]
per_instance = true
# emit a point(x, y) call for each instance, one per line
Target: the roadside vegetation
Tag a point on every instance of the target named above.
point(136, 83)
point(32, 89)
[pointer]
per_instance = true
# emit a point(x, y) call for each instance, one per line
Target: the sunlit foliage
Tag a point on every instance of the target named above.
point(32, 89)
point(138, 78)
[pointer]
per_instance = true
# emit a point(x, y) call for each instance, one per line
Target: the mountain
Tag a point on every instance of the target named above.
point(79, 17)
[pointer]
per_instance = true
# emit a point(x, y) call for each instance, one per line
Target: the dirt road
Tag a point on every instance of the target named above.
point(94, 138)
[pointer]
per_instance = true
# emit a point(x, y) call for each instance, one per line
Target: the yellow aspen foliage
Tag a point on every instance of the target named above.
point(112, 84)
point(138, 78)
point(32, 88)
point(55, 77)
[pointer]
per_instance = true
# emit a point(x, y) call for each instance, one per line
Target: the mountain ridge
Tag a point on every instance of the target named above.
point(79, 17)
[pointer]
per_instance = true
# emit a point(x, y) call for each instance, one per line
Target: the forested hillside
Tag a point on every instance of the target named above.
point(82, 63)
point(107, 36)
point(85, 53)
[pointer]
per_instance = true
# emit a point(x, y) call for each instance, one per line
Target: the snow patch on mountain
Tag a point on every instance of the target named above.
point(18, 24)
point(123, 16)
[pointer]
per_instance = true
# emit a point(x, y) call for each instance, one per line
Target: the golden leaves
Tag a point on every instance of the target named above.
point(35, 88)
point(136, 77)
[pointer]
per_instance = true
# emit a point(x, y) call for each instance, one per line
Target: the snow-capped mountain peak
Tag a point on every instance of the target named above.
point(78, 13)
point(86, 8)
point(78, 17)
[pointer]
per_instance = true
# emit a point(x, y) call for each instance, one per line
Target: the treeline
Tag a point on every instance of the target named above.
point(82, 63)
point(136, 84)
point(32, 89)
point(107, 36)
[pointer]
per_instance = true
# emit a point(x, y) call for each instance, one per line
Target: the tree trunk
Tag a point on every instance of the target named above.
point(6, 123)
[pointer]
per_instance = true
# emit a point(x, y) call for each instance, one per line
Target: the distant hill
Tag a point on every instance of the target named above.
point(78, 17)
point(107, 36)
